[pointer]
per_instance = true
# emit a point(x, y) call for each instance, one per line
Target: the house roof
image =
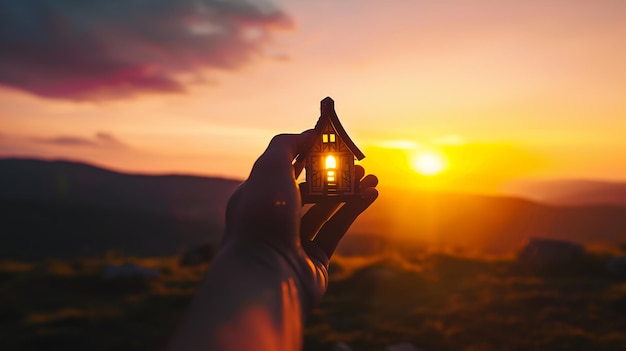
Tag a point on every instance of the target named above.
point(327, 107)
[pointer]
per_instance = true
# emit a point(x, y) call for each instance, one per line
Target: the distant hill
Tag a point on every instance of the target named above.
point(62, 182)
point(34, 230)
point(491, 224)
point(66, 209)
point(572, 192)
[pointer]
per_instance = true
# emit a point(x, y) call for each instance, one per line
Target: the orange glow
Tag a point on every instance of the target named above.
point(504, 91)
point(330, 177)
point(331, 162)
point(466, 167)
point(428, 163)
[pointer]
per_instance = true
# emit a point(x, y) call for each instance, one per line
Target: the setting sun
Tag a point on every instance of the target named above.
point(428, 163)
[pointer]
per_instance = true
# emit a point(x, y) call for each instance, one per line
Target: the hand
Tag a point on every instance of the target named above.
point(272, 267)
point(267, 208)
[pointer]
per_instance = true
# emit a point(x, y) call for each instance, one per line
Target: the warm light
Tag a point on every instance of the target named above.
point(331, 163)
point(331, 176)
point(326, 138)
point(428, 163)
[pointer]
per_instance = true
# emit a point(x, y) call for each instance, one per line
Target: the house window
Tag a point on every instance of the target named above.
point(331, 162)
point(326, 138)
point(330, 176)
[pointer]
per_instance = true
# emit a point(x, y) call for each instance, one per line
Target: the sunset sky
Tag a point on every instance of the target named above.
point(501, 90)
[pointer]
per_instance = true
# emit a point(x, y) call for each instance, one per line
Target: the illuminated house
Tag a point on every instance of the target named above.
point(329, 162)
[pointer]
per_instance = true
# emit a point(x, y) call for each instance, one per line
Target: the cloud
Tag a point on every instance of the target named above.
point(100, 49)
point(100, 139)
point(106, 138)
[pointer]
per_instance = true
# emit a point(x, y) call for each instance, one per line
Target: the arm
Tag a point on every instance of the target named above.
point(272, 268)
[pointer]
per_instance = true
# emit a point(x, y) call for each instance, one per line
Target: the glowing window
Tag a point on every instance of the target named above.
point(331, 177)
point(332, 138)
point(324, 138)
point(331, 163)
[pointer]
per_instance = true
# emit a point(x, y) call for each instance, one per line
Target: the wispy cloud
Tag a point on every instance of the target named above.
point(100, 139)
point(107, 138)
point(98, 49)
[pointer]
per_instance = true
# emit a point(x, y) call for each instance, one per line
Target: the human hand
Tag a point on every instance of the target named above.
point(266, 210)
point(272, 267)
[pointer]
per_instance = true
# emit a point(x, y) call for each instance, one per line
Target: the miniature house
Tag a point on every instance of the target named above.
point(329, 162)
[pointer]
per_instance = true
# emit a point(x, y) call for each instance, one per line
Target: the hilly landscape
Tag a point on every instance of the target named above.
point(68, 209)
point(416, 272)
point(63, 182)
point(491, 224)
point(572, 191)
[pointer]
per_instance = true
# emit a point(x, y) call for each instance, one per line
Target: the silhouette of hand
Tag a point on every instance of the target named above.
point(265, 215)
point(272, 267)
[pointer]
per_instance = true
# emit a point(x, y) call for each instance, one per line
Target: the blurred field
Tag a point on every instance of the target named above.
point(435, 301)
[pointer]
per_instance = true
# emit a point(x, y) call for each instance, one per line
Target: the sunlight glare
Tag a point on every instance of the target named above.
point(428, 163)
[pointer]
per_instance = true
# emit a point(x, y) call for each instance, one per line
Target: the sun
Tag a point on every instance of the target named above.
point(428, 163)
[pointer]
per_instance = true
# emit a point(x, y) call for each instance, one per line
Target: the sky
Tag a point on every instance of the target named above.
point(502, 91)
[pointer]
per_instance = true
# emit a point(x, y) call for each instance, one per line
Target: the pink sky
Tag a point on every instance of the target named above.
point(506, 90)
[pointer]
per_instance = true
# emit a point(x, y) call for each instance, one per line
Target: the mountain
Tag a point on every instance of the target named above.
point(67, 209)
point(571, 192)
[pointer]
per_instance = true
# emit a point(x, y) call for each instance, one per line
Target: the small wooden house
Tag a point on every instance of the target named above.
point(329, 163)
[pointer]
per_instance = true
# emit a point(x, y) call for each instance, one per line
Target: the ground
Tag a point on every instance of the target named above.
point(435, 301)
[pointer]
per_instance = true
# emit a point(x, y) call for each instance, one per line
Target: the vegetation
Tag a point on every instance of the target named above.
point(432, 300)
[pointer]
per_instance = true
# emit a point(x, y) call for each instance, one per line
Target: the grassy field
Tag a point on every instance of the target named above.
point(434, 301)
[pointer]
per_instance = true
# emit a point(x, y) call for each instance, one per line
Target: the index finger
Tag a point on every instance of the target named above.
point(281, 151)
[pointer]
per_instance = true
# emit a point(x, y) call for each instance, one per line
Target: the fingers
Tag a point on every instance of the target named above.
point(315, 218)
point(302, 188)
point(359, 171)
point(317, 215)
point(333, 231)
point(368, 182)
point(280, 153)
point(269, 204)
